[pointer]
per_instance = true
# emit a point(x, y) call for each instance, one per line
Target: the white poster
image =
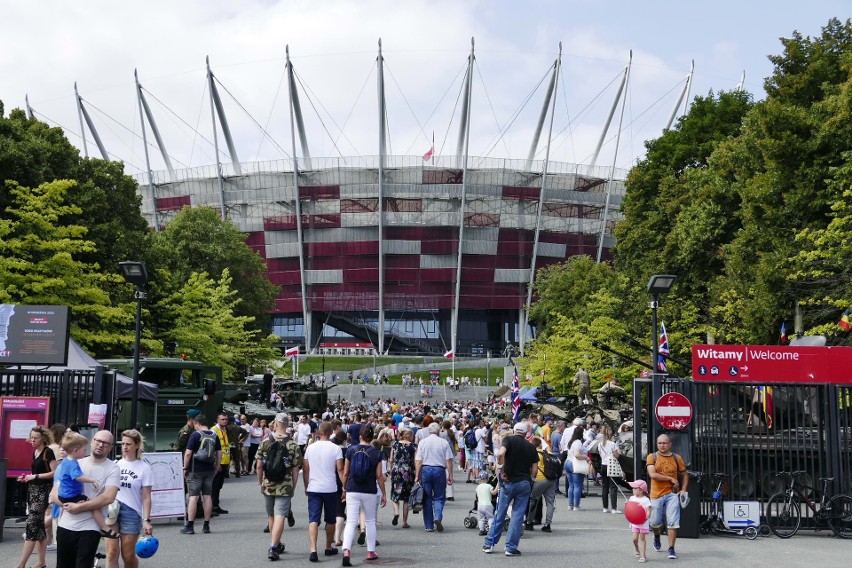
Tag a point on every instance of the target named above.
point(20, 429)
point(167, 498)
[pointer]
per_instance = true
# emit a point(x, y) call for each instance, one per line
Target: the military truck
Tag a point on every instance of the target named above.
point(182, 384)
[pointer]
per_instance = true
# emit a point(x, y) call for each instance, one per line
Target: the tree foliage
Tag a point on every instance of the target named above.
point(198, 240)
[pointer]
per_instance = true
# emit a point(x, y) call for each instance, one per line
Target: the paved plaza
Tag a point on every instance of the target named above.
point(586, 538)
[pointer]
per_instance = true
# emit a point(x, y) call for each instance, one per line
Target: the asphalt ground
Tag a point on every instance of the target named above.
point(585, 538)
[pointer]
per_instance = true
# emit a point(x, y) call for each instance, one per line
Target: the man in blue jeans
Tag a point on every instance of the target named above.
point(517, 460)
point(434, 470)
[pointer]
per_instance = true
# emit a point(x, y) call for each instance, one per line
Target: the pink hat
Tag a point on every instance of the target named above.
point(639, 484)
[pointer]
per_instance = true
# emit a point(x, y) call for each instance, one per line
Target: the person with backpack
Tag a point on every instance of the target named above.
point(201, 462)
point(669, 479)
point(434, 471)
point(362, 478)
point(278, 461)
point(544, 484)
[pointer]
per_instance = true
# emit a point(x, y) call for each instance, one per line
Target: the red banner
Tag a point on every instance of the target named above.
point(772, 364)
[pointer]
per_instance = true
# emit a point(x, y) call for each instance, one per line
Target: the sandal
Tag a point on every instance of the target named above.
point(406, 526)
point(109, 534)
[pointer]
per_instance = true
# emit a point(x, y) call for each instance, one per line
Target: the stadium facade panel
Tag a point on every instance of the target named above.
point(319, 233)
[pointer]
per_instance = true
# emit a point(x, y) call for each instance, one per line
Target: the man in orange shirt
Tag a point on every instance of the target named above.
point(668, 481)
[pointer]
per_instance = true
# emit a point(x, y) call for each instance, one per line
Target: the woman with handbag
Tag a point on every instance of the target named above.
point(39, 483)
point(610, 469)
point(580, 462)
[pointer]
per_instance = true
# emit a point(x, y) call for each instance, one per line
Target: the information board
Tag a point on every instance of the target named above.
point(33, 335)
point(167, 497)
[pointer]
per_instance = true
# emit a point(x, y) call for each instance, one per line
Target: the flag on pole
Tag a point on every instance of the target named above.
point(783, 332)
point(450, 354)
point(427, 157)
point(664, 349)
point(291, 352)
point(516, 396)
point(844, 321)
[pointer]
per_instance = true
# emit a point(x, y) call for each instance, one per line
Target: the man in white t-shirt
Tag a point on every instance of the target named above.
point(322, 467)
point(78, 535)
point(303, 432)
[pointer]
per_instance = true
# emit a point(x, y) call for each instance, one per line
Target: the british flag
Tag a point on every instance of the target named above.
point(516, 396)
point(664, 349)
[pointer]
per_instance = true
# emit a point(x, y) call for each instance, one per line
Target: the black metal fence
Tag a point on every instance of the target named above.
point(753, 431)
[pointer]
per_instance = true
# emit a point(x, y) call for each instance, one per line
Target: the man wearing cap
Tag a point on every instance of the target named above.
point(189, 428)
point(517, 462)
point(668, 481)
point(278, 494)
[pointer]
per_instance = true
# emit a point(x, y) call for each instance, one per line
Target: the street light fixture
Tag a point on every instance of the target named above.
point(657, 285)
point(135, 273)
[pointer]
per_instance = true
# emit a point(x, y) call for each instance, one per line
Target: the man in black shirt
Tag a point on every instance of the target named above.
point(519, 462)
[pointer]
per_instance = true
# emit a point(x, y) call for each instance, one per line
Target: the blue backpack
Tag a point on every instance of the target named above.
point(361, 466)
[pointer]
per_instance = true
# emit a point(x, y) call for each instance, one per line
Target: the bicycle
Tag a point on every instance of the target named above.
point(784, 510)
point(715, 521)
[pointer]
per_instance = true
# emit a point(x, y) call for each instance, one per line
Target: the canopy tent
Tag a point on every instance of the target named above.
point(79, 360)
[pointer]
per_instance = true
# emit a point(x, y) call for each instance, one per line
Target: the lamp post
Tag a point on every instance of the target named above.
point(657, 285)
point(135, 273)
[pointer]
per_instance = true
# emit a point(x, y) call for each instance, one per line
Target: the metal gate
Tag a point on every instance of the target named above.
point(753, 431)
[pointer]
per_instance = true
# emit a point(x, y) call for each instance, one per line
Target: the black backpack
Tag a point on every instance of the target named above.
point(361, 465)
point(552, 465)
point(206, 447)
point(278, 463)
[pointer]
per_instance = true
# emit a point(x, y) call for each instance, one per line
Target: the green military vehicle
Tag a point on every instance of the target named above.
point(182, 385)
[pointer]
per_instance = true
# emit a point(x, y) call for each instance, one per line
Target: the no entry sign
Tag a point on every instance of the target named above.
point(674, 411)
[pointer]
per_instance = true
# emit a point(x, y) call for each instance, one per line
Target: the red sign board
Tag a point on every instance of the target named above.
point(674, 411)
point(18, 415)
point(772, 364)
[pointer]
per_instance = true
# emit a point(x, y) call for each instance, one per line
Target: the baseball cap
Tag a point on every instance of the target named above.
point(548, 418)
point(406, 419)
point(639, 484)
point(578, 421)
point(483, 475)
point(519, 428)
point(193, 413)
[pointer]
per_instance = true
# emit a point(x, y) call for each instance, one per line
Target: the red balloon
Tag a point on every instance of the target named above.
point(635, 513)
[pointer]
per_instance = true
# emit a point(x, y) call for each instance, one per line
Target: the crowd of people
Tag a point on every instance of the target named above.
point(352, 460)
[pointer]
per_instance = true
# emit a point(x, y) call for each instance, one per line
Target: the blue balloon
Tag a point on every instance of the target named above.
point(147, 546)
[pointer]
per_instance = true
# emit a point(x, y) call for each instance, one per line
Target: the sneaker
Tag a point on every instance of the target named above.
point(487, 549)
point(642, 560)
point(430, 530)
point(657, 545)
point(220, 510)
point(273, 553)
point(438, 525)
point(330, 551)
point(346, 560)
point(313, 557)
point(529, 527)
point(482, 533)
point(605, 511)
point(616, 512)
point(279, 548)
point(372, 556)
point(205, 529)
point(672, 554)
point(51, 547)
point(515, 552)
point(546, 528)
point(187, 530)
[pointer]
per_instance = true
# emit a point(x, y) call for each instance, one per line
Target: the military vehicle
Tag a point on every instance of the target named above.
point(182, 385)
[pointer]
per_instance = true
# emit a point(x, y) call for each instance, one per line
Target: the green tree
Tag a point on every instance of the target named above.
point(42, 265)
point(198, 240)
point(208, 329)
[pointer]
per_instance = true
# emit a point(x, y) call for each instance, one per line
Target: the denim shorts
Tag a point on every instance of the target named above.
point(277, 505)
point(129, 521)
point(668, 505)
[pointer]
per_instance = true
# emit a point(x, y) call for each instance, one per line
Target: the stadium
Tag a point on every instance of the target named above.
point(431, 254)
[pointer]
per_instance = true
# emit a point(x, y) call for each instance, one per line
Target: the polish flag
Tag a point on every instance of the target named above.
point(292, 352)
point(449, 354)
point(427, 157)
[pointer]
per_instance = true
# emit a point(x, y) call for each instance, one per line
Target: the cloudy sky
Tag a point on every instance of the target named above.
point(47, 45)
